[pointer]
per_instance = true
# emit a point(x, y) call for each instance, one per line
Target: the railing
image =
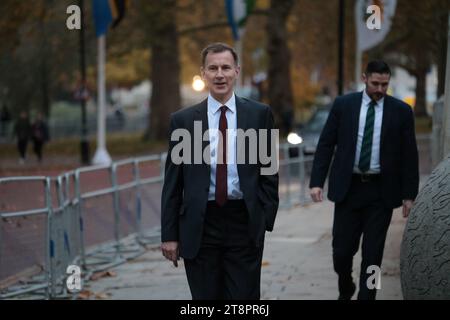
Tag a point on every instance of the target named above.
point(93, 217)
point(69, 233)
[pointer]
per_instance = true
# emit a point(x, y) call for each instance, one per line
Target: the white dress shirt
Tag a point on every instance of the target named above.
point(233, 187)
point(375, 154)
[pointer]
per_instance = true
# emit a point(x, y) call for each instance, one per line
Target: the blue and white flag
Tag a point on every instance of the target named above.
point(237, 13)
point(106, 13)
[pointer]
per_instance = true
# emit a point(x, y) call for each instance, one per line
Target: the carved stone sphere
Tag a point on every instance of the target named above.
point(425, 249)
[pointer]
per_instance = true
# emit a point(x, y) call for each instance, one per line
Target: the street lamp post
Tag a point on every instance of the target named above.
point(84, 144)
point(341, 47)
point(445, 144)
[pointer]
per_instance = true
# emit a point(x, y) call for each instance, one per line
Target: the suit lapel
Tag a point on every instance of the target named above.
point(241, 113)
point(241, 123)
point(356, 110)
point(201, 114)
point(385, 121)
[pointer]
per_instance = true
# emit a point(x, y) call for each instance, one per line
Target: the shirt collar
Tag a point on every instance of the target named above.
point(214, 105)
point(366, 100)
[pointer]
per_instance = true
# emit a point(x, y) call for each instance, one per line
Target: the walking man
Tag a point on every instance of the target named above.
point(39, 135)
point(374, 170)
point(215, 215)
point(22, 131)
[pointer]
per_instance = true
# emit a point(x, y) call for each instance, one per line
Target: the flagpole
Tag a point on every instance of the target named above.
point(101, 154)
point(340, 79)
point(445, 142)
point(84, 144)
point(238, 46)
point(358, 63)
point(358, 53)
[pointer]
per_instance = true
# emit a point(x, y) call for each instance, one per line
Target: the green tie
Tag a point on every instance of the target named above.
point(366, 146)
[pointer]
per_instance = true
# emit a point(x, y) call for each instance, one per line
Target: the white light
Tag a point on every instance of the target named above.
point(294, 138)
point(198, 84)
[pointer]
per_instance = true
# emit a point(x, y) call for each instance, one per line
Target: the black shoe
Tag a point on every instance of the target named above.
point(349, 294)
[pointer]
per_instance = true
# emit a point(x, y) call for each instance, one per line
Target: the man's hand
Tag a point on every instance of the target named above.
point(316, 194)
point(170, 251)
point(407, 205)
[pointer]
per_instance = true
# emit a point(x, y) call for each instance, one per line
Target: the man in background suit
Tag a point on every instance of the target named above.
point(374, 170)
point(215, 216)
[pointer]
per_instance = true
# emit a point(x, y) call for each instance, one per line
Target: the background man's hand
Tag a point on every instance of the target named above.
point(407, 205)
point(316, 194)
point(170, 251)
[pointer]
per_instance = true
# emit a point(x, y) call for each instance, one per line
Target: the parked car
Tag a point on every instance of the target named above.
point(309, 133)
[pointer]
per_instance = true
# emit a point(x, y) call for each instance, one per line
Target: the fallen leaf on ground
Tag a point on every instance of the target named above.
point(85, 294)
point(102, 295)
point(102, 274)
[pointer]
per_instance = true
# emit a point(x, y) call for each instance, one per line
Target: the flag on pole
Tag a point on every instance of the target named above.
point(108, 12)
point(237, 13)
point(367, 38)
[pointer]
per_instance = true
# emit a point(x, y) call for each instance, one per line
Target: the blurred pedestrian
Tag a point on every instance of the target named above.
point(39, 135)
point(22, 131)
point(5, 118)
point(375, 169)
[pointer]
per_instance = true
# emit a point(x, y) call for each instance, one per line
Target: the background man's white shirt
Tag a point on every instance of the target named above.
point(375, 155)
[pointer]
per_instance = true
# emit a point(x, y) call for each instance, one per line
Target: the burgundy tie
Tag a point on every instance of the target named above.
point(221, 168)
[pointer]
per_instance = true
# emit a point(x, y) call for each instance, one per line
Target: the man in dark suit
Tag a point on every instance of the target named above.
point(214, 212)
point(374, 170)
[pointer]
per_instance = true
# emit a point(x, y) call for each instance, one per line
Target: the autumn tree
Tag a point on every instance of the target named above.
point(38, 53)
point(415, 42)
point(279, 69)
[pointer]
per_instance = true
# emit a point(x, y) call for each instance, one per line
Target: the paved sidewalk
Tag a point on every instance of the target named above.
point(297, 263)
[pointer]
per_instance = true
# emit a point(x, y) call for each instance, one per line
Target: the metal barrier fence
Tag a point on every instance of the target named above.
point(294, 173)
point(94, 217)
point(71, 229)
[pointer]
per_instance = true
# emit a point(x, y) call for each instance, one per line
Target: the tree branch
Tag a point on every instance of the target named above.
point(219, 24)
point(259, 12)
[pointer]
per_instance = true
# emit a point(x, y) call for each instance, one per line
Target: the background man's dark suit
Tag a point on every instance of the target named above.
point(398, 179)
point(185, 192)
point(398, 151)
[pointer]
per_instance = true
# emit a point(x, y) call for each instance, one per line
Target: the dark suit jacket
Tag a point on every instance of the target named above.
point(398, 150)
point(186, 186)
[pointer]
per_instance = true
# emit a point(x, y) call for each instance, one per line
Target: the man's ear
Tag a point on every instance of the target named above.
point(202, 73)
point(238, 70)
point(364, 78)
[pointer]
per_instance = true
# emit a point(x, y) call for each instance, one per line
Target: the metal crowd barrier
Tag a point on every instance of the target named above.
point(10, 220)
point(294, 172)
point(81, 230)
point(66, 241)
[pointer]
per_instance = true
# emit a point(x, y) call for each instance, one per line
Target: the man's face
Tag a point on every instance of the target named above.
point(376, 85)
point(220, 72)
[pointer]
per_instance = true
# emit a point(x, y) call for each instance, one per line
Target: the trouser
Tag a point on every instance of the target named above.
point(22, 147)
point(228, 265)
point(362, 212)
point(37, 146)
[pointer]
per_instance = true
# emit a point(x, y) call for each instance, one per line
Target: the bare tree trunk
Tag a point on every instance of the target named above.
point(45, 89)
point(279, 74)
point(165, 97)
point(165, 68)
point(421, 85)
point(420, 107)
point(44, 69)
point(442, 54)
